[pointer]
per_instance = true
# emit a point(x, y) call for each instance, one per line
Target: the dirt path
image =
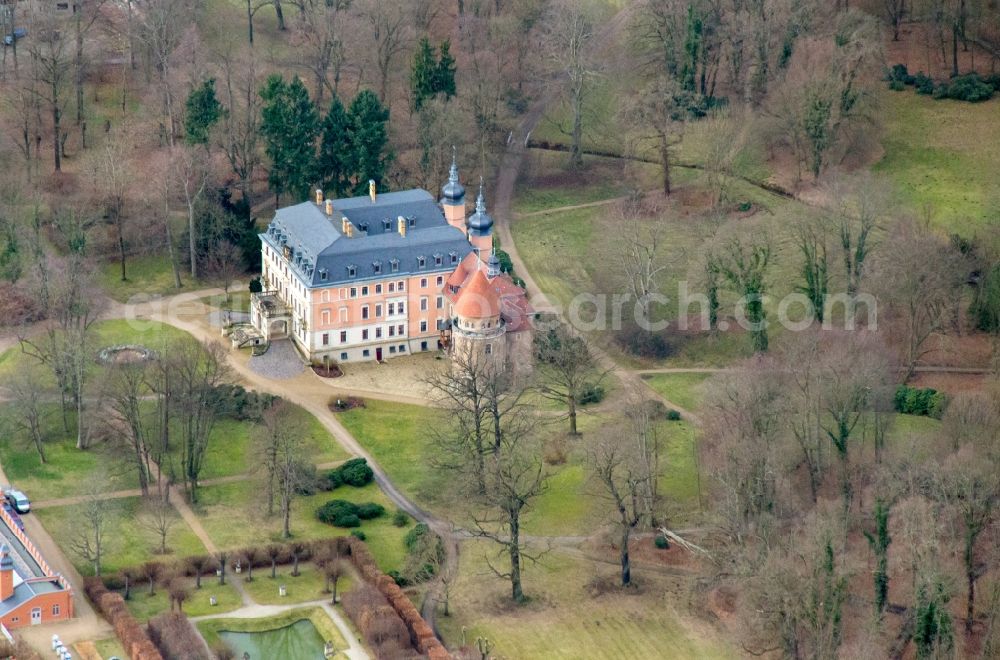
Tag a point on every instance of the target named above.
point(572, 207)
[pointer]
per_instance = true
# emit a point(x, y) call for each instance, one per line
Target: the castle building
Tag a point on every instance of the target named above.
point(384, 275)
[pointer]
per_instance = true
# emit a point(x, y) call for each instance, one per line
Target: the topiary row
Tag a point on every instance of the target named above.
point(341, 513)
point(133, 638)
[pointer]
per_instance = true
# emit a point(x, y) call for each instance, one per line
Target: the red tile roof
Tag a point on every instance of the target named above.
point(478, 299)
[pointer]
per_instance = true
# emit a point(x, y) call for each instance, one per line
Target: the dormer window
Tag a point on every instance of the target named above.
point(377, 267)
point(363, 226)
point(454, 257)
point(322, 274)
point(411, 221)
point(421, 262)
point(438, 260)
point(394, 265)
point(352, 271)
point(387, 224)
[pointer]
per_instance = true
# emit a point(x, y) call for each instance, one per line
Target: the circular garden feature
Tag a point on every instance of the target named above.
point(125, 354)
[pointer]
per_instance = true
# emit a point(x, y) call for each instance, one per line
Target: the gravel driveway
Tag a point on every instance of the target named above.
point(280, 362)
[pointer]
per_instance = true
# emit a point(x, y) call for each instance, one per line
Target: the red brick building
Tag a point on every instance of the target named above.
point(31, 593)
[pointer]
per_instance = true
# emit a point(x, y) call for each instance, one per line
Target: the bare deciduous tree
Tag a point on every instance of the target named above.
point(159, 517)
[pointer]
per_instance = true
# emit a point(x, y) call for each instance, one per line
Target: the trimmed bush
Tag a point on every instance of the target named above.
point(370, 510)
point(969, 87)
point(359, 535)
point(400, 518)
point(923, 83)
point(673, 415)
point(661, 542)
point(176, 637)
point(899, 74)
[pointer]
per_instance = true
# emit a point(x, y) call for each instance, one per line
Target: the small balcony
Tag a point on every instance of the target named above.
point(269, 305)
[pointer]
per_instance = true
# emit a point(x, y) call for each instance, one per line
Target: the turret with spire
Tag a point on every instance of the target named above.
point(480, 225)
point(453, 196)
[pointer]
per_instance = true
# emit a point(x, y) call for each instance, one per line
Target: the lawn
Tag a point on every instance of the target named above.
point(685, 389)
point(109, 647)
point(396, 436)
point(238, 301)
point(230, 449)
point(564, 619)
point(233, 516)
point(199, 603)
point(308, 586)
point(148, 275)
point(127, 543)
point(942, 156)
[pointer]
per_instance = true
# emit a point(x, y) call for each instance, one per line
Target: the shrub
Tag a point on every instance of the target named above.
point(896, 86)
point(341, 513)
point(256, 286)
point(414, 535)
point(661, 542)
point(969, 87)
point(643, 343)
point(238, 403)
point(370, 510)
point(673, 415)
point(400, 518)
point(923, 83)
point(920, 401)
point(593, 393)
point(398, 578)
point(359, 535)
point(354, 472)
point(899, 74)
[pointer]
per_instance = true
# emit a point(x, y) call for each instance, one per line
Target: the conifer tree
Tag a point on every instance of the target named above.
point(444, 78)
point(203, 112)
point(367, 119)
point(289, 124)
point(336, 162)
point(423, 74)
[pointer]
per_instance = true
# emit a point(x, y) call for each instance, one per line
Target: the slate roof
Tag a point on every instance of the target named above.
point(319, 247)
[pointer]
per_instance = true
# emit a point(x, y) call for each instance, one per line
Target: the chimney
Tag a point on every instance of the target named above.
point(344, 224)
point(401, 222)
point(6, 573)
point(371, 189)
point(329, 207)
point(319, 196)
point(349, 231)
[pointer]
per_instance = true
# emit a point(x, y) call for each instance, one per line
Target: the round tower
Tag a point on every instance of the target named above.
point(480, 225)
point(453, 197)
point(478, 331)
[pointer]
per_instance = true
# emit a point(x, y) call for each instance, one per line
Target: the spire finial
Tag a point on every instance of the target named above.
point(480, 201)
point(453, 173)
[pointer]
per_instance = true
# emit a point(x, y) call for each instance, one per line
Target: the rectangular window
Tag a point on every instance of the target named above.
point(377, 267)
point(392, 308)
point(351, 271)
point(364, 335)
point(378, 333)
point(440, 280)
point(55, 610)
point(440, 302)
point(343, 336)
point(364, 291)
point(378, 289)
point(378, 311)
point(392, 287)
point(423, 304)
point(402, 348)
point(421, 262)
point(392, 349)
point(489, 349)
point(343, 357)
point(343, 315)
point(440, 324)
point(399, 310)
point(326, 339)
point(423, 326)
point(395, 266)
point(392, 331)
point(437, 260)
point(423, 282)
point(423, 346)
point(322, 275)
point(364, 312)
point(399, 285)
point(366, 353)
point(354, 292)
point(400, 328)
